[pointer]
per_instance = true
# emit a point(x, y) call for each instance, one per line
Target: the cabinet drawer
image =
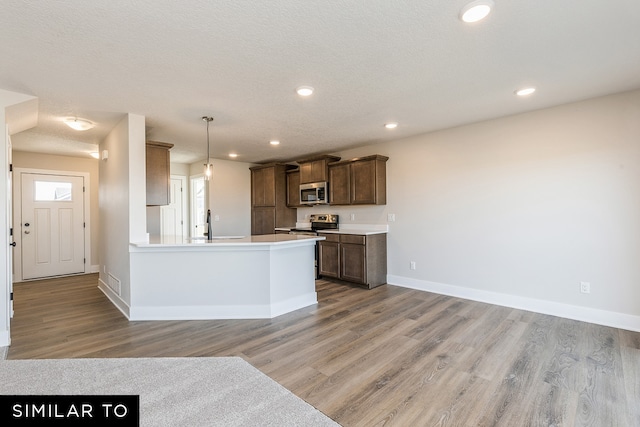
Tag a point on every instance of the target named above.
point(352, 238)
point(330, 237)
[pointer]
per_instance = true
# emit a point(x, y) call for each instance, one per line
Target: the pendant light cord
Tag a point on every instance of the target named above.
point(208, 156)
point(207, 119)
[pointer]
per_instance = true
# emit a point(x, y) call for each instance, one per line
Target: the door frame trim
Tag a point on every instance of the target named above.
point(183, 208)
point(17, 214)
point(192, 219)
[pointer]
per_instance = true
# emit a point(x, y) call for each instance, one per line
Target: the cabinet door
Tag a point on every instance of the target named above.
point(263, 220)
point(353, 263)
point(263, 185)
point(158, 175)
point(329, 259)
point(363, 182)
point(313, 171)
point(305, 173)
point(257, 187)
point(340, 184)
point(319, 170)
point(293, 189)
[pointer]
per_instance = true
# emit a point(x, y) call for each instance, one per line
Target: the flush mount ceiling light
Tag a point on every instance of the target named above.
point(208, 167)
point(78, 124)
point(274, 142)
point(233, 155)
point(476, 10)
point(304, 90)
point(391, 125)
point(525, 91)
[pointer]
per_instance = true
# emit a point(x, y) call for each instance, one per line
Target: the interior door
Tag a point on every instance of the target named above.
point(52, 225)
point(9, 224)
point(172, 215)
point(198, 207)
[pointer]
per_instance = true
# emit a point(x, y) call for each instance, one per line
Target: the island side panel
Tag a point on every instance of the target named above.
point(292, 279)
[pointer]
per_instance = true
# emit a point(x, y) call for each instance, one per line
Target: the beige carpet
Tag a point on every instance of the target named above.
point(3, 352)
point(224, 391)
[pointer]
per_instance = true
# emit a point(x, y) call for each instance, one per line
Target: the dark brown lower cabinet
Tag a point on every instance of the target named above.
point(353, 262)
point(354, 258)
point(263, 220)
point(329, 256)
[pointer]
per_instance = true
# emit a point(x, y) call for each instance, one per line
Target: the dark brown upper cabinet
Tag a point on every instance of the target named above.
point(360, 181)
point(340, 183)
point(158, 171)
point(263, 186)
point(293, 188)
point(315, 169)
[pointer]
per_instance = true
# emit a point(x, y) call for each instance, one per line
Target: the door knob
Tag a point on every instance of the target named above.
point(12, 244)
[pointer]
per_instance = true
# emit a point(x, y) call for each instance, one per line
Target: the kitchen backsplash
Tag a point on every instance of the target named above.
point(370, 214)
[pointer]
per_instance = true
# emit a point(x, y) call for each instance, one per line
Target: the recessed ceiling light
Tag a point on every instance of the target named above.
point(304, 90)
point(476, 10)
point(78, 124)
point(233, 155)
point(391, 125)
point(274, 142)
point(525, 91)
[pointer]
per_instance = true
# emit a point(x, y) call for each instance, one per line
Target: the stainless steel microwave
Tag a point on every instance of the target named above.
point(316, 193)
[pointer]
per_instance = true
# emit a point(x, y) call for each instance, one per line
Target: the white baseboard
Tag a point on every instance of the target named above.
point(94, 269)
point(5, 339)
point(584, 314)
point(210, 312)
point(115, 299)
point(283, 307)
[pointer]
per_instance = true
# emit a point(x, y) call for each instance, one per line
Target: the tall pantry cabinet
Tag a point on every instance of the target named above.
point(269, 199)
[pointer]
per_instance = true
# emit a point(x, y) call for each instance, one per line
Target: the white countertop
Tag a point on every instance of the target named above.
point(228, 241)
point(359, 229)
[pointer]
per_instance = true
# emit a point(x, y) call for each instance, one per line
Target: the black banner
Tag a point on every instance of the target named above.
point(70, 410)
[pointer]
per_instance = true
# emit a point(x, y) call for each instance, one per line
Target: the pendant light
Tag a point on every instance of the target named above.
point(208, 167)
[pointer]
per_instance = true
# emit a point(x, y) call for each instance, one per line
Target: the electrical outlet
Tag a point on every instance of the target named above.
point(585, 287)
point(391, 217)
point(216, 218)
point(412, 265)
point(353, 217)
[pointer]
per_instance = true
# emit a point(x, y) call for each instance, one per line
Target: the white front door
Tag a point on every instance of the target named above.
point(172, 215)
point(52, 225)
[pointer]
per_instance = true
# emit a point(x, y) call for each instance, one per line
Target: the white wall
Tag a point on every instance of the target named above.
point(229, 196)
point(521, 209)
point(122, 196)
point(181, 169)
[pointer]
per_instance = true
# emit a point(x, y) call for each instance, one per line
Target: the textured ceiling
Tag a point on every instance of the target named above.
point(370, 62)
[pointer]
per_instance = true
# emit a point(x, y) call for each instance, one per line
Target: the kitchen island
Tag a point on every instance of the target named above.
point(224, 278)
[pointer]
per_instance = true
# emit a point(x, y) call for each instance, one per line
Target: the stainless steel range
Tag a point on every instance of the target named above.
point(318, 222)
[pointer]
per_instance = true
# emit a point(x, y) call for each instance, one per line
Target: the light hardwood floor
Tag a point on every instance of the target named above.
point(386, 356)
